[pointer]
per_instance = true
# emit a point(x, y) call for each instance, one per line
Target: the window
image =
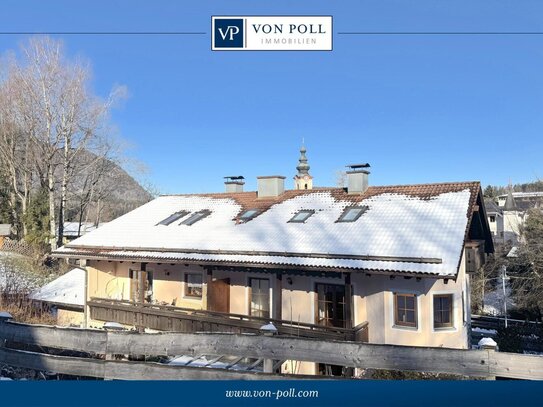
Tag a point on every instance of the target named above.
point(172, 218)
point(195, 217)
point(260, 297)
point(492, 218)
point(248, 215)
point(352, 213)
point(443, 315)
point(405, 310)
point(193, 285)
point(331, 305)
point(301, 216)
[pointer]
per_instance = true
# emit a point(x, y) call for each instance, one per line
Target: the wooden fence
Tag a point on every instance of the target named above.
point(475, 363)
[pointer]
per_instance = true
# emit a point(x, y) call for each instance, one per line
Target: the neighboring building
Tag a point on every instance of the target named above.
point(66, 297)
point(73, 230)
point(508, 212)
point(5, 232)
point(384, 264)
point(513, 219)
point(495, 220)
point(523, 200)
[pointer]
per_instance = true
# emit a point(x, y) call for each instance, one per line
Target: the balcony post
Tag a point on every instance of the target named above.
point(208, 283)
point(278, 296)
point(141, 296)
point(348, 301)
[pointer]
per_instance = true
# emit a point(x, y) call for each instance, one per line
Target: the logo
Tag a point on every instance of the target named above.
point(228, 33)
point(271, 33)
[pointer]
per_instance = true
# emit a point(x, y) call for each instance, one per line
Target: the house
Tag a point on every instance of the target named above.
point(508, 212)
point(523, 200)
point(73, 230)
point(5, 232)
point(65, 296)
point(495, 220)
point(382, 264)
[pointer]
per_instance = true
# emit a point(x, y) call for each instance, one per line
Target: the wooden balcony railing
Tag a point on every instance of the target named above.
point(170, 318)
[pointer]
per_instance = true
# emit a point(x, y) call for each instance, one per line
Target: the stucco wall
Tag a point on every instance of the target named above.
point(372, 298)
point(69, 318)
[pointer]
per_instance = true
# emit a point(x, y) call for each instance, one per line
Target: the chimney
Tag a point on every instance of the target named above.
point(357, 178)
point(234, 183)
point(270, 186)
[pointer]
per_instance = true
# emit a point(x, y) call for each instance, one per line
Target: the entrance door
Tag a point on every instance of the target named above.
point(331, 312)
point(218, 298)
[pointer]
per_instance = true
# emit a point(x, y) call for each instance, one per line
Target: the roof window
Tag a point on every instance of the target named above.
point(352, 213)
point(248, 215)
point(302, 216)
point(195, 217)
point(173, 217)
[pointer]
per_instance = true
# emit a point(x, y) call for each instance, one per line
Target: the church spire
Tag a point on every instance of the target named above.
point(510, 200)
point(303, 166)
point(303, 180)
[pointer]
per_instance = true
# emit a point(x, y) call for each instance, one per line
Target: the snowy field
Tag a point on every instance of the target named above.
point(16, 275)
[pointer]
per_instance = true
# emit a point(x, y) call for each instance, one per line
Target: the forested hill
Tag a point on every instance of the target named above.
point(115, 191)
point(492, 191)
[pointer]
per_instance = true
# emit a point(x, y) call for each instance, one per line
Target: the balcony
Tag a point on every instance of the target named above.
point(170, 318)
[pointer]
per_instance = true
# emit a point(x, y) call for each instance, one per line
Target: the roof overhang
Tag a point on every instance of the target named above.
point(382, 265)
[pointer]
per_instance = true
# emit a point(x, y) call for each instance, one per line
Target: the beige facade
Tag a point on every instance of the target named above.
point(372, 299)
point(67, 317)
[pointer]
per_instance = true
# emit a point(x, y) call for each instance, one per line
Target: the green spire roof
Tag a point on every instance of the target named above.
point(303, 166)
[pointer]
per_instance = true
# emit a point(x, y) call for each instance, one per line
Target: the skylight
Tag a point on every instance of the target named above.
point(248, 215)
point(352, 213)
point(301, 216)
point(195, 217)
point(172, 218)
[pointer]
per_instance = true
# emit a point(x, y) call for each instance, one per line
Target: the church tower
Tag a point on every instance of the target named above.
point(303, 180)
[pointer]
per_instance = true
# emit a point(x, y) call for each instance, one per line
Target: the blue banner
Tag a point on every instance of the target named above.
point(272, 393)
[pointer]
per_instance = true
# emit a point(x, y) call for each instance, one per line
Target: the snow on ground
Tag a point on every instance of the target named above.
point(207, 361)
point(15, 276)
point(494, 300)
point(484, 331)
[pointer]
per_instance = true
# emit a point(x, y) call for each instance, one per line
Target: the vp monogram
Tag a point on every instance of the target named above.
point(228, 33)
point(231, 30)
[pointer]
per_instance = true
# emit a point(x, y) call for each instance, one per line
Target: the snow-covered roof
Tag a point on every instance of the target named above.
point(538, 194)
point(412, 229)
point(68, 289)
point(73, 229)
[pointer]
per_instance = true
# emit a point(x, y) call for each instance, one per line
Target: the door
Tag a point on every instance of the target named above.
point(331, 312)
point(331, 305)
point(218, 298)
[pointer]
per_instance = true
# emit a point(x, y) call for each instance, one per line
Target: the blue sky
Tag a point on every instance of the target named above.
point(419, 108)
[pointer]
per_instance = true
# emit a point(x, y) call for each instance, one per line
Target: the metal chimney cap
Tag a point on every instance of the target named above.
point(358, 166)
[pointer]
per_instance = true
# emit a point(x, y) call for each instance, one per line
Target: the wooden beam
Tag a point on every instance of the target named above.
point(477, 363)
point(348, 301)
point(209, 283)
point(122, 370)
point(278, 296)
point(94, 250)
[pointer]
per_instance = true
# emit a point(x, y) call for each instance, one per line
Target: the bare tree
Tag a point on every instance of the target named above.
point(66, 118)
point(16, 158)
